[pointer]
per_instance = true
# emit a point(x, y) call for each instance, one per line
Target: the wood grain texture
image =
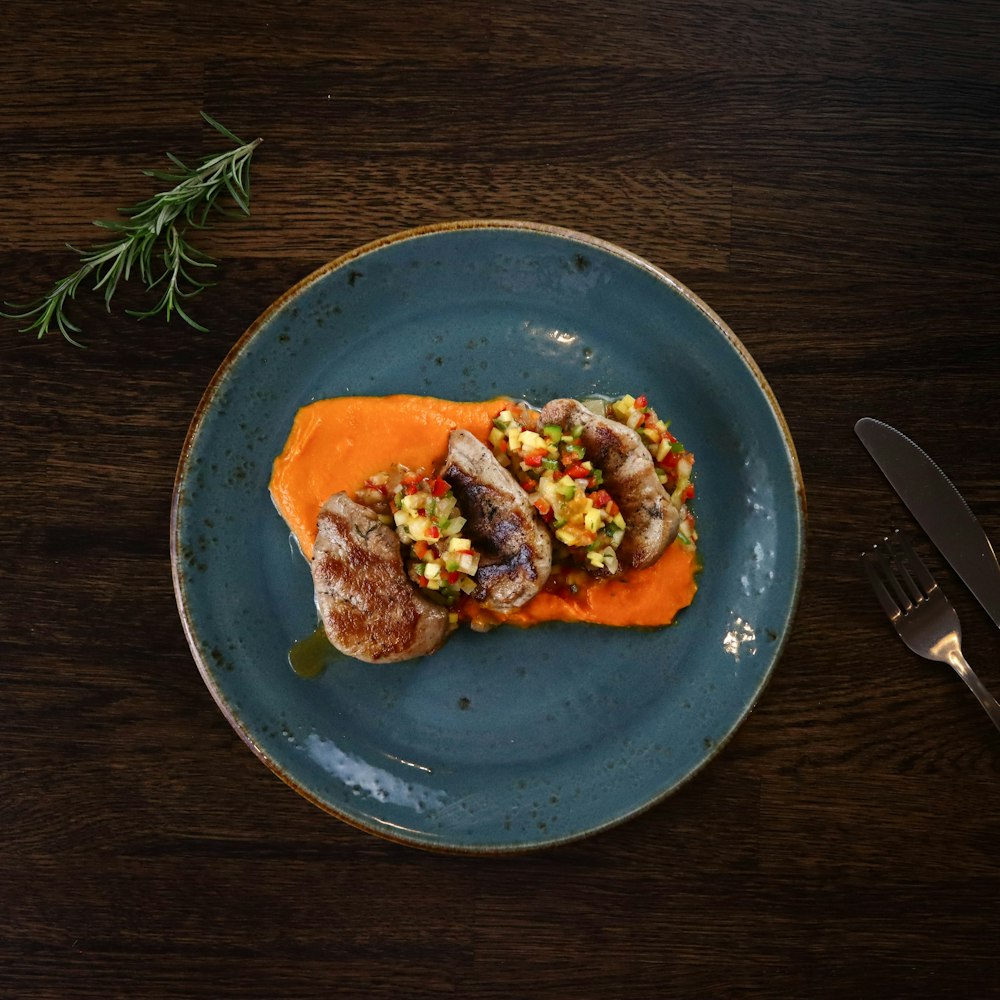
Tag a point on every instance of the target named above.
point(825, 175)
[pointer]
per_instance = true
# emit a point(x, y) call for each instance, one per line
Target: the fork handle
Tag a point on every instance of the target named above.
point(976, 686)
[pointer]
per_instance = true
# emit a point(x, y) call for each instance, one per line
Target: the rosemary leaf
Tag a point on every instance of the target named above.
point(151, 240)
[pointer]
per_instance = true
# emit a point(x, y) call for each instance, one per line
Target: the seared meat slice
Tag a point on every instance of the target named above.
point(516, 548)
point(369, 608)
point(629, 476)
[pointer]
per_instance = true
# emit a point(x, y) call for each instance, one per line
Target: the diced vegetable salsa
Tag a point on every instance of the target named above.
point(552, 467)
point(427, 520)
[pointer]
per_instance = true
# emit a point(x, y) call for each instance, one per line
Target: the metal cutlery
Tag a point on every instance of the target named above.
point(938, 508)
point(920, 612)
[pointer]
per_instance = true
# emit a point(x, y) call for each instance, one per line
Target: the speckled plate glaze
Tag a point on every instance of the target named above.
point(520, 738)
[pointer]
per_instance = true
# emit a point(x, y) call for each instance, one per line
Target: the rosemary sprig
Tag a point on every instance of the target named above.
point(151, 240)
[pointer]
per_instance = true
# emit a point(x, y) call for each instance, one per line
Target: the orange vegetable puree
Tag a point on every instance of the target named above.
point(337, 444)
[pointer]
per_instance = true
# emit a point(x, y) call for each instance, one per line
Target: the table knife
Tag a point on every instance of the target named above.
point(938, 508)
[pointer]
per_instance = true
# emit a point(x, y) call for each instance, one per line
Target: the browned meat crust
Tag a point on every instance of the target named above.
point(369, 608)
point(629, 476)
point(516, 548)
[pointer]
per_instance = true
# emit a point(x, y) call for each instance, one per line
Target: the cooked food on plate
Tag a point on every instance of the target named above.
point(516, 548)
point(367, 605)
point(421, 514)
point(628, 475)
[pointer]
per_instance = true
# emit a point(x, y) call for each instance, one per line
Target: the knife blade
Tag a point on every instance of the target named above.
point(938, 508)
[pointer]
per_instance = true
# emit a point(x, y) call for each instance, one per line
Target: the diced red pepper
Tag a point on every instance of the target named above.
point(602, 498)
point(422, 580)
point(641, 402)
point(688, 491)
point(434, 531)
point(534, 459)
point(410, 488)
point(543, 506)
point(420, 549)
point(577, 471)
point(439, 488)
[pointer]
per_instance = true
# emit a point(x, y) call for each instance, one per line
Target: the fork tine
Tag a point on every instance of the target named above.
point(890, 566)
point(899, 557)
point(873, 562)
point(923, 575)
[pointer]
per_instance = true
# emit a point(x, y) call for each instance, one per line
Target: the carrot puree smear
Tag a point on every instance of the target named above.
point(337, 444)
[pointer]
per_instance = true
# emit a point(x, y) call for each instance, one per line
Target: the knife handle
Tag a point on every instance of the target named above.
point(975, 685)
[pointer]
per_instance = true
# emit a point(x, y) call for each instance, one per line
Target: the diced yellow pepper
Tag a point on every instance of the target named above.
point(593, 520)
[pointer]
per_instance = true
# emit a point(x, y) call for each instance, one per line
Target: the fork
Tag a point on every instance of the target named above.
point(921, 614)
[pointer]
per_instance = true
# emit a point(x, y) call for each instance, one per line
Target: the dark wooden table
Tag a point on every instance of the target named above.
point(825, 175)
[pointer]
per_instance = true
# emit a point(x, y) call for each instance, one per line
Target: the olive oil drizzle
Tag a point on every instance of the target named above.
point(310, 656)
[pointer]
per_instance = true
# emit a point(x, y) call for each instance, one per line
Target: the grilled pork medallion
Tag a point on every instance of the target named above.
point(516, 548)
point(369, 608)
point(629, 476)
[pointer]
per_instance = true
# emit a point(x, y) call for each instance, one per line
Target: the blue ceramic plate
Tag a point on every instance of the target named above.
point(519, 738)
